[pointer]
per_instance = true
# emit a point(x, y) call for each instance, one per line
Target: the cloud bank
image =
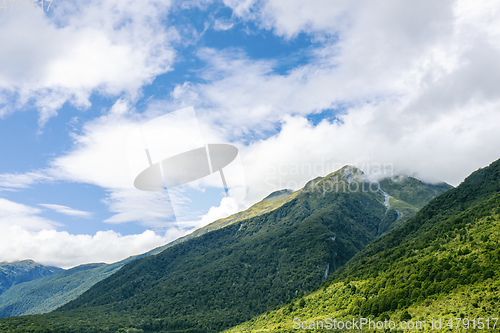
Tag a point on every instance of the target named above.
point(410, 84)
point(110, 47)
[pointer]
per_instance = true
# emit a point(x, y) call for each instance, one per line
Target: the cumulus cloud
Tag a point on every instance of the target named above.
point(111, 151)
point(106, 46)
point(377, 53)
point(17, 243)
point(374, 138)
point(420, 97)
point(228, 206)
point(397, 82)
point(99, 154)
point(25, 234)
point(100, 157)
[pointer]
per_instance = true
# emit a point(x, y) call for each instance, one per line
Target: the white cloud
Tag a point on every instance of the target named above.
point(288, 18)
point(99, 154)
point(25, 234)
point(106, 46)
point(240, 7)
point(110, 153)
point(379, 53)
point(228, 206)
point(445, 149)
point(45, 246)
point(422, 97)
point(153, 209)
point(100, 157)
point(22, 180)
point(223, 25)
point(23, 216)
point(67, 210)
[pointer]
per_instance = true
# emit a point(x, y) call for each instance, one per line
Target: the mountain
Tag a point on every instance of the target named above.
point(245, 268)
point(13, 273)
point(405, 196)
point(443, 263)
point(47, 294)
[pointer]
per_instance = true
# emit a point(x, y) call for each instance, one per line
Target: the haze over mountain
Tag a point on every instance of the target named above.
point(248, 266)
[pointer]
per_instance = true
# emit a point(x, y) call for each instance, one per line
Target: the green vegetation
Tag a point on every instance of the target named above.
point(226, 276)
point(407, 196)
point(14, 273)
point(48, 293)
point(270, 203)
point(44, 294)
point(411, 190)
point(443, 263)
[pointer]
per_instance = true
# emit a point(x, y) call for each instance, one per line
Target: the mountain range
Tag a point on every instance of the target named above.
point(14, 273)
point(442, 266)
point(237, 268)
point(57, 287)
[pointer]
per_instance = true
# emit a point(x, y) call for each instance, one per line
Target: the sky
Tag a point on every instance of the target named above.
point(299, 88)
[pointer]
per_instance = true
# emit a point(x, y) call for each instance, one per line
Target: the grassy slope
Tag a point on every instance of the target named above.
point(266, 205)
point(443, 263)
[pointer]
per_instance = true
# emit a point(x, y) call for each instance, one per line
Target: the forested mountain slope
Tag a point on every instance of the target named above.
point(443, 263)
point(13, 273)
point(243, 269)
point(46, 294)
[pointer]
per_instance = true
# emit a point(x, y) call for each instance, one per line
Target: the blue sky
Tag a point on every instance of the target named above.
point(295, 85)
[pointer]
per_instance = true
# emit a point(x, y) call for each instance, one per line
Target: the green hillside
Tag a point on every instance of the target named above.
point(14, 273)
point(48, 293)
point(443, 263)
point(42, 295)
point(405, 196)
point(229, 275)
point(269, 203)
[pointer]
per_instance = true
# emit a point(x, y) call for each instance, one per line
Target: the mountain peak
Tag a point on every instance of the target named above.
point(349, 173)
point(306, 236)
point(345, 176)
point(12, 273)
point(278, 194)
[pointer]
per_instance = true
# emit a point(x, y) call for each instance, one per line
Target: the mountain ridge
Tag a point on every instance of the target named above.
point(44, 295)
point(443, 262)
point(263, 260)
point(17, 272)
